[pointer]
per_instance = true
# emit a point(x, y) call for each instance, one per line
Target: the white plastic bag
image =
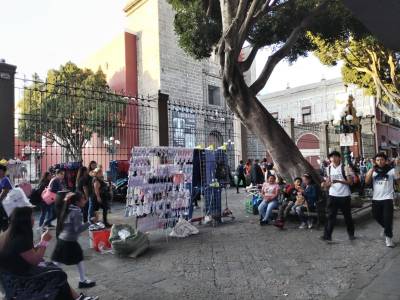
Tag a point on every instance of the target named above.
point(15, 198)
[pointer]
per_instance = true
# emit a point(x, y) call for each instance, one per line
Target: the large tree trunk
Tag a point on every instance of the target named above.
point(287, 157)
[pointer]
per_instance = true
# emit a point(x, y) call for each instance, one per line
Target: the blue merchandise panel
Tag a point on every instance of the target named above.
point(212, 203)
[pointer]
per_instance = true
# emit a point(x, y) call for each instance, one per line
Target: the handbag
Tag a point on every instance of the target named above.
point(48, 196)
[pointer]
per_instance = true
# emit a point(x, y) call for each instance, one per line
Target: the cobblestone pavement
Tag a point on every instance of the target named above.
point(241, 260)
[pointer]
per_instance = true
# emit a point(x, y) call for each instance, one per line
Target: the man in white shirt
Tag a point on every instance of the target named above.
point(382, 177)
point(338, 182)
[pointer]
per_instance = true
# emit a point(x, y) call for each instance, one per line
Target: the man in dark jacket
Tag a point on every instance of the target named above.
point(256, 174)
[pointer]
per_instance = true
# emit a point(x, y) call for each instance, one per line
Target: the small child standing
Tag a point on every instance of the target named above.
point(69, 227)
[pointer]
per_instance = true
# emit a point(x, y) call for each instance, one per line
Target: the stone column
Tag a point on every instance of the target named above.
point(324, 140)
point(289, 128)
point(7, 73)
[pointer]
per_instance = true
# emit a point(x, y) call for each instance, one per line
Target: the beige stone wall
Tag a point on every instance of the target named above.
point(142, 20)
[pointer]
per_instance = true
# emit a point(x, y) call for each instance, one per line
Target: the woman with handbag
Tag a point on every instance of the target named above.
point(49, 196)
point(102, 195)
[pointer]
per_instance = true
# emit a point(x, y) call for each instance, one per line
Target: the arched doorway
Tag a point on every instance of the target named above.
point(308, 145)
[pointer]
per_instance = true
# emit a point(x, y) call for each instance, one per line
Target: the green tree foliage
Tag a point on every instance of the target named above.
point(199, 26)
point(225, 26)
point(368, 64)
point(68, 108)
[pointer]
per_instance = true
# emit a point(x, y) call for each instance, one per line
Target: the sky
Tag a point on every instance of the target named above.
point(38, 35)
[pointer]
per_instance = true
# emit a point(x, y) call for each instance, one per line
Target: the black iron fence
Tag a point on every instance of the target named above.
point(55, 123)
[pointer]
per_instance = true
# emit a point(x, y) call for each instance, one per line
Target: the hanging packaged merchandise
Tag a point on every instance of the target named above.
point(159, 186)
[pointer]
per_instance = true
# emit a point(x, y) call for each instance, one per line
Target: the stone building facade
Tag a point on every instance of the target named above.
point(306, 111)
point(163, 68)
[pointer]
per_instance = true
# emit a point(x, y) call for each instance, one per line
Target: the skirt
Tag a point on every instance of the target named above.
point(67, 253)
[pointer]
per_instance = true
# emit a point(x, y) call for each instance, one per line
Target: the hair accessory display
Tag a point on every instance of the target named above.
point(159, 186)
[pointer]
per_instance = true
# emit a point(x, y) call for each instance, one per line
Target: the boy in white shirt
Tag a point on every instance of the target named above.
point(338, 182)
point(382, 177)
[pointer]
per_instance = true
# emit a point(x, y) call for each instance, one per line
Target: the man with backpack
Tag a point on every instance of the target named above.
point(383, 176)
point(338, 181)
point(241, 178)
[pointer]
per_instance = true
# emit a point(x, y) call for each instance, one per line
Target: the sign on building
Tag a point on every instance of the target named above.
point(346, 139)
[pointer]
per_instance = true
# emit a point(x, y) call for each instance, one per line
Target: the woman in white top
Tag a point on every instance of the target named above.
point(382, 177)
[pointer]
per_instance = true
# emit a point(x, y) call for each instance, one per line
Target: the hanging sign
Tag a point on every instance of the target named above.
point(346, 140)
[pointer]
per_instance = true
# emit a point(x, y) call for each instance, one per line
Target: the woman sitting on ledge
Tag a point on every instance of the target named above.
point(20, 258)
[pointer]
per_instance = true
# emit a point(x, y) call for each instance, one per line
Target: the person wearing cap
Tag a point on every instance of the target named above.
point(383, 177)
point(5, 187)
point(338, 183)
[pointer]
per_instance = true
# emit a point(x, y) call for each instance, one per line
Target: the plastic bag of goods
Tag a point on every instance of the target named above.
point(126, 241)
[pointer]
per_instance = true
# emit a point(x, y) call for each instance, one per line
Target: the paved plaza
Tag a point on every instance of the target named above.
point(242, 260)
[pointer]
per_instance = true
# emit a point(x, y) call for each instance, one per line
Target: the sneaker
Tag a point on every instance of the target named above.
point(263, 223)
point(279, 223)
point(303, 225)
point(50, 226)
point(324, 238)
point(86, 284)
point(352, 238)
point(389, 242)
point(83, 297)
point(310, 224)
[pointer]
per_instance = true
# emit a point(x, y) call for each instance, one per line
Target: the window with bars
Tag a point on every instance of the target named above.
point(306, 114)
point(214, 95)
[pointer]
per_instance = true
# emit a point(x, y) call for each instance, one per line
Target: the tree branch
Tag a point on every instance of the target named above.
point(263, 9)
point(246, 64)
point(393, 70)
point(275, 58)
point(248, 21)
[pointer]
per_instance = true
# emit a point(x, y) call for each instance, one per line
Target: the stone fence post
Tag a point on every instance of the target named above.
point(324, 140)
point(7, 73)
point(288, 126)
point(163, 126)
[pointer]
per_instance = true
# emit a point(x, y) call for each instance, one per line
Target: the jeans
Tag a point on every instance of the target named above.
point(85, 212)
point(265, 209)
point(300, 209)
point(47, 214)
point(382, 210)
point(95, 206)
point(334, 204)
point(240, 179)
point(284, 210)
point(92, 207)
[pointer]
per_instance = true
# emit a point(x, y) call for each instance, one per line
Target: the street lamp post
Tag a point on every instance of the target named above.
point(349, 124)
point(111, 145)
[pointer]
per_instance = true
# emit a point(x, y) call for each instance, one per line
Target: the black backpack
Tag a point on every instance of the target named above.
point(355, 186)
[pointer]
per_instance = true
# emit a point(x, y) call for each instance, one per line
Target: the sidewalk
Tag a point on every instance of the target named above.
point(383, 286)
point(242, 260)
